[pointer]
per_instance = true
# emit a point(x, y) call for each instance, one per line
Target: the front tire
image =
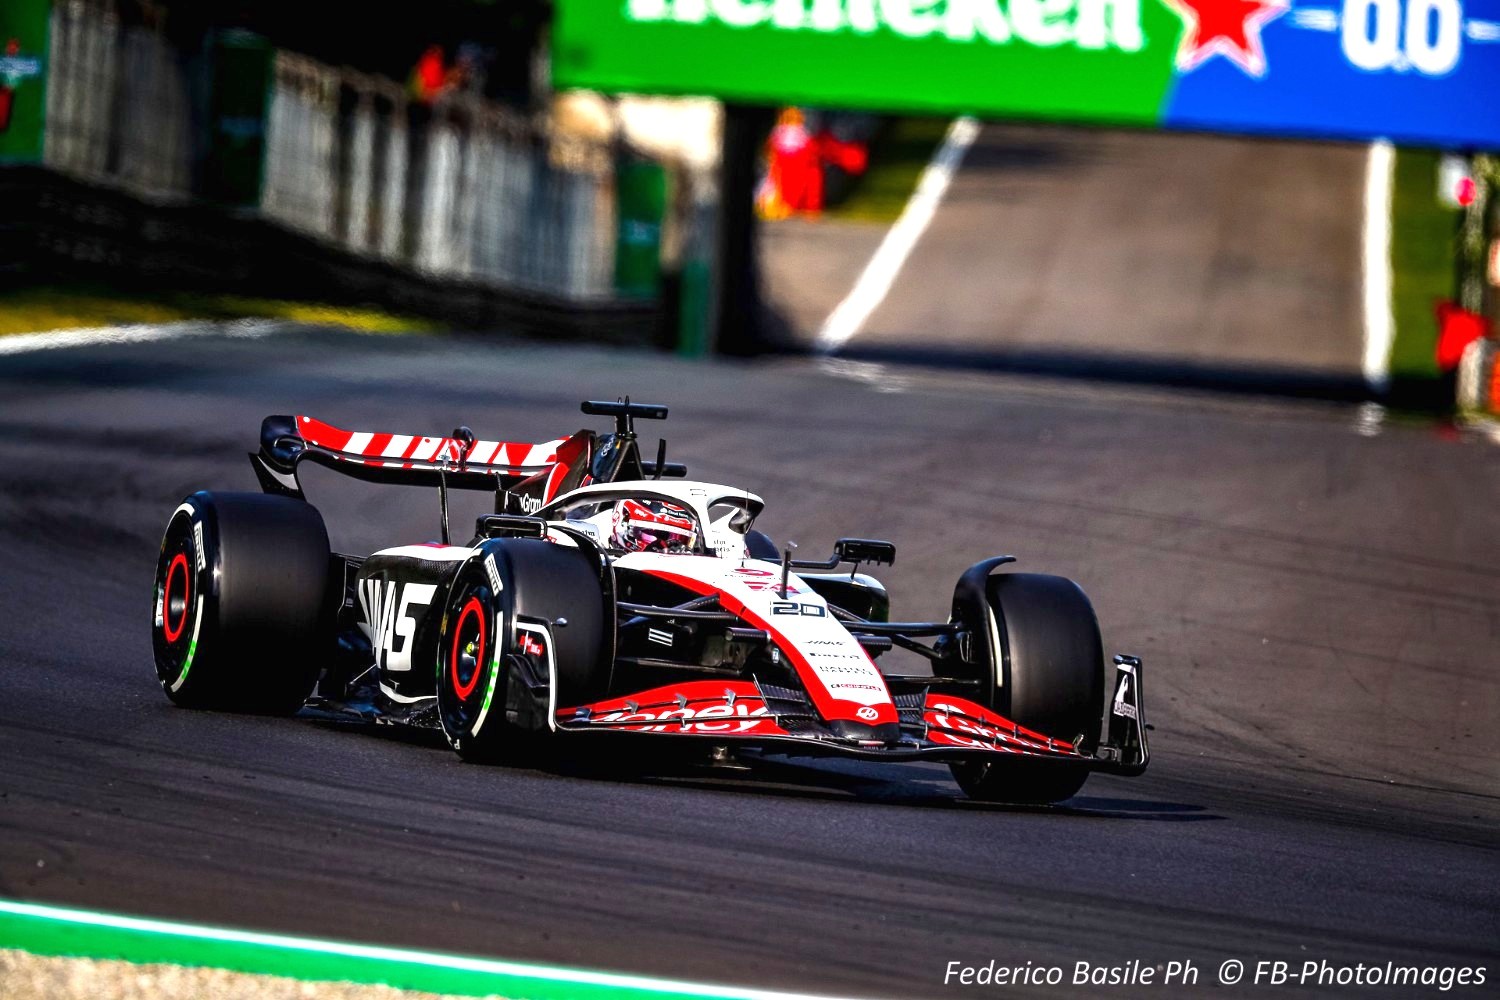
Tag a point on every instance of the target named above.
point(506, 660)
point(1048, 676)
point(241, 601)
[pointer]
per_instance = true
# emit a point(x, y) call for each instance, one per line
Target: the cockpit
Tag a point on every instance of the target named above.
point(649, 516)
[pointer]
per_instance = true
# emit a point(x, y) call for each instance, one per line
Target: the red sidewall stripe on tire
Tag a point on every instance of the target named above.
point(464, 690)
point(168, 632)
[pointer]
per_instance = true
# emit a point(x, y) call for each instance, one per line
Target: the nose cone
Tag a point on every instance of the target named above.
point(861, 732)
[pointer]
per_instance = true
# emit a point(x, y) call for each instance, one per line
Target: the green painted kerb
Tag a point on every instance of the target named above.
point(59, 931)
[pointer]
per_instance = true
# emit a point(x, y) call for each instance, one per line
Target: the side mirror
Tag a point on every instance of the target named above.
point(864, 550)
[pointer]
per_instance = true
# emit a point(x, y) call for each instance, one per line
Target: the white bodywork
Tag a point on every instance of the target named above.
point(839, 675)
point(833, 665)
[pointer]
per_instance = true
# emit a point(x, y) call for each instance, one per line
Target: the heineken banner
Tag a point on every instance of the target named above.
point(1422, 72)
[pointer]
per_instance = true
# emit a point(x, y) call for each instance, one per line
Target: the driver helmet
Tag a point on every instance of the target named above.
point(652, 526)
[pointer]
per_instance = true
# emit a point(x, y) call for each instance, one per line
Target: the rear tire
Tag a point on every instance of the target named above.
point(498, 646)
point(241, 603)
point(1049, 678)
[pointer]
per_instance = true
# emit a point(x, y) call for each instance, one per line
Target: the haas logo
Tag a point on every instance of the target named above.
point(868, 713)
point(389, 623)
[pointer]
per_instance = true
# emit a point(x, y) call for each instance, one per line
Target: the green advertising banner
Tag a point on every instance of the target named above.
point(1423, 72)
point(944, 56)
point(239, 95)
point(23, 79)
point(642, 186)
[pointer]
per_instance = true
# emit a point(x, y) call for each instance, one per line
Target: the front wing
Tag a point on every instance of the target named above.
point(934, 726)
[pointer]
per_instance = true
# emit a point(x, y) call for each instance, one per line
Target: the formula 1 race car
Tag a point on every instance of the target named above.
point(608, 595)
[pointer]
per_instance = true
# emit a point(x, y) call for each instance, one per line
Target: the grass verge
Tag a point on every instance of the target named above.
point(1423, 232)
point(64, 307)
point(898, 156)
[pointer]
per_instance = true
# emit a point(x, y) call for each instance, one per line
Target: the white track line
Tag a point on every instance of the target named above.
point(496, 967)
point(25, 343)
point(1380, 171)
point(875, 283)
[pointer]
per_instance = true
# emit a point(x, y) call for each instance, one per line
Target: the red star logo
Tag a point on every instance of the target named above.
point(1230, 28)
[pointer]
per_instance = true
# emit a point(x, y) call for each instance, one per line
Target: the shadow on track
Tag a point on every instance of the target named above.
point(923, 786)
point(1129, 369)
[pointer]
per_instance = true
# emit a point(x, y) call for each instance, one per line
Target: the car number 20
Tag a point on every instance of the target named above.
point(797, 608)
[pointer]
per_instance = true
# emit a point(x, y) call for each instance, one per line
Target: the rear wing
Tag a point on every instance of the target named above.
point(522, 475)
point(460, 461)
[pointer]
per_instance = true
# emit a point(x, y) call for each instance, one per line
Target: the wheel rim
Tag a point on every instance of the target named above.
point(173, 607)
point(466, 658)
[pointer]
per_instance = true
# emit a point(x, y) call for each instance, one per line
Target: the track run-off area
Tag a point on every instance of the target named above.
point(1311, 586)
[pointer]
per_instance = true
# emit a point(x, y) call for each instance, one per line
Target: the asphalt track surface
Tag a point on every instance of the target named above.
point(1312, 589)
point(1115, 253)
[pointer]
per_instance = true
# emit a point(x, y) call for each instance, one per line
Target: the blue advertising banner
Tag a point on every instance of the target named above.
point(1424, 72)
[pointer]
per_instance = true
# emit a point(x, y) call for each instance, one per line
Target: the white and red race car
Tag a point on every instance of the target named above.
point(604, 599)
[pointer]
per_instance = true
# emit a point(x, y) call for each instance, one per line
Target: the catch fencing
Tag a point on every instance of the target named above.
point(462, 188)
